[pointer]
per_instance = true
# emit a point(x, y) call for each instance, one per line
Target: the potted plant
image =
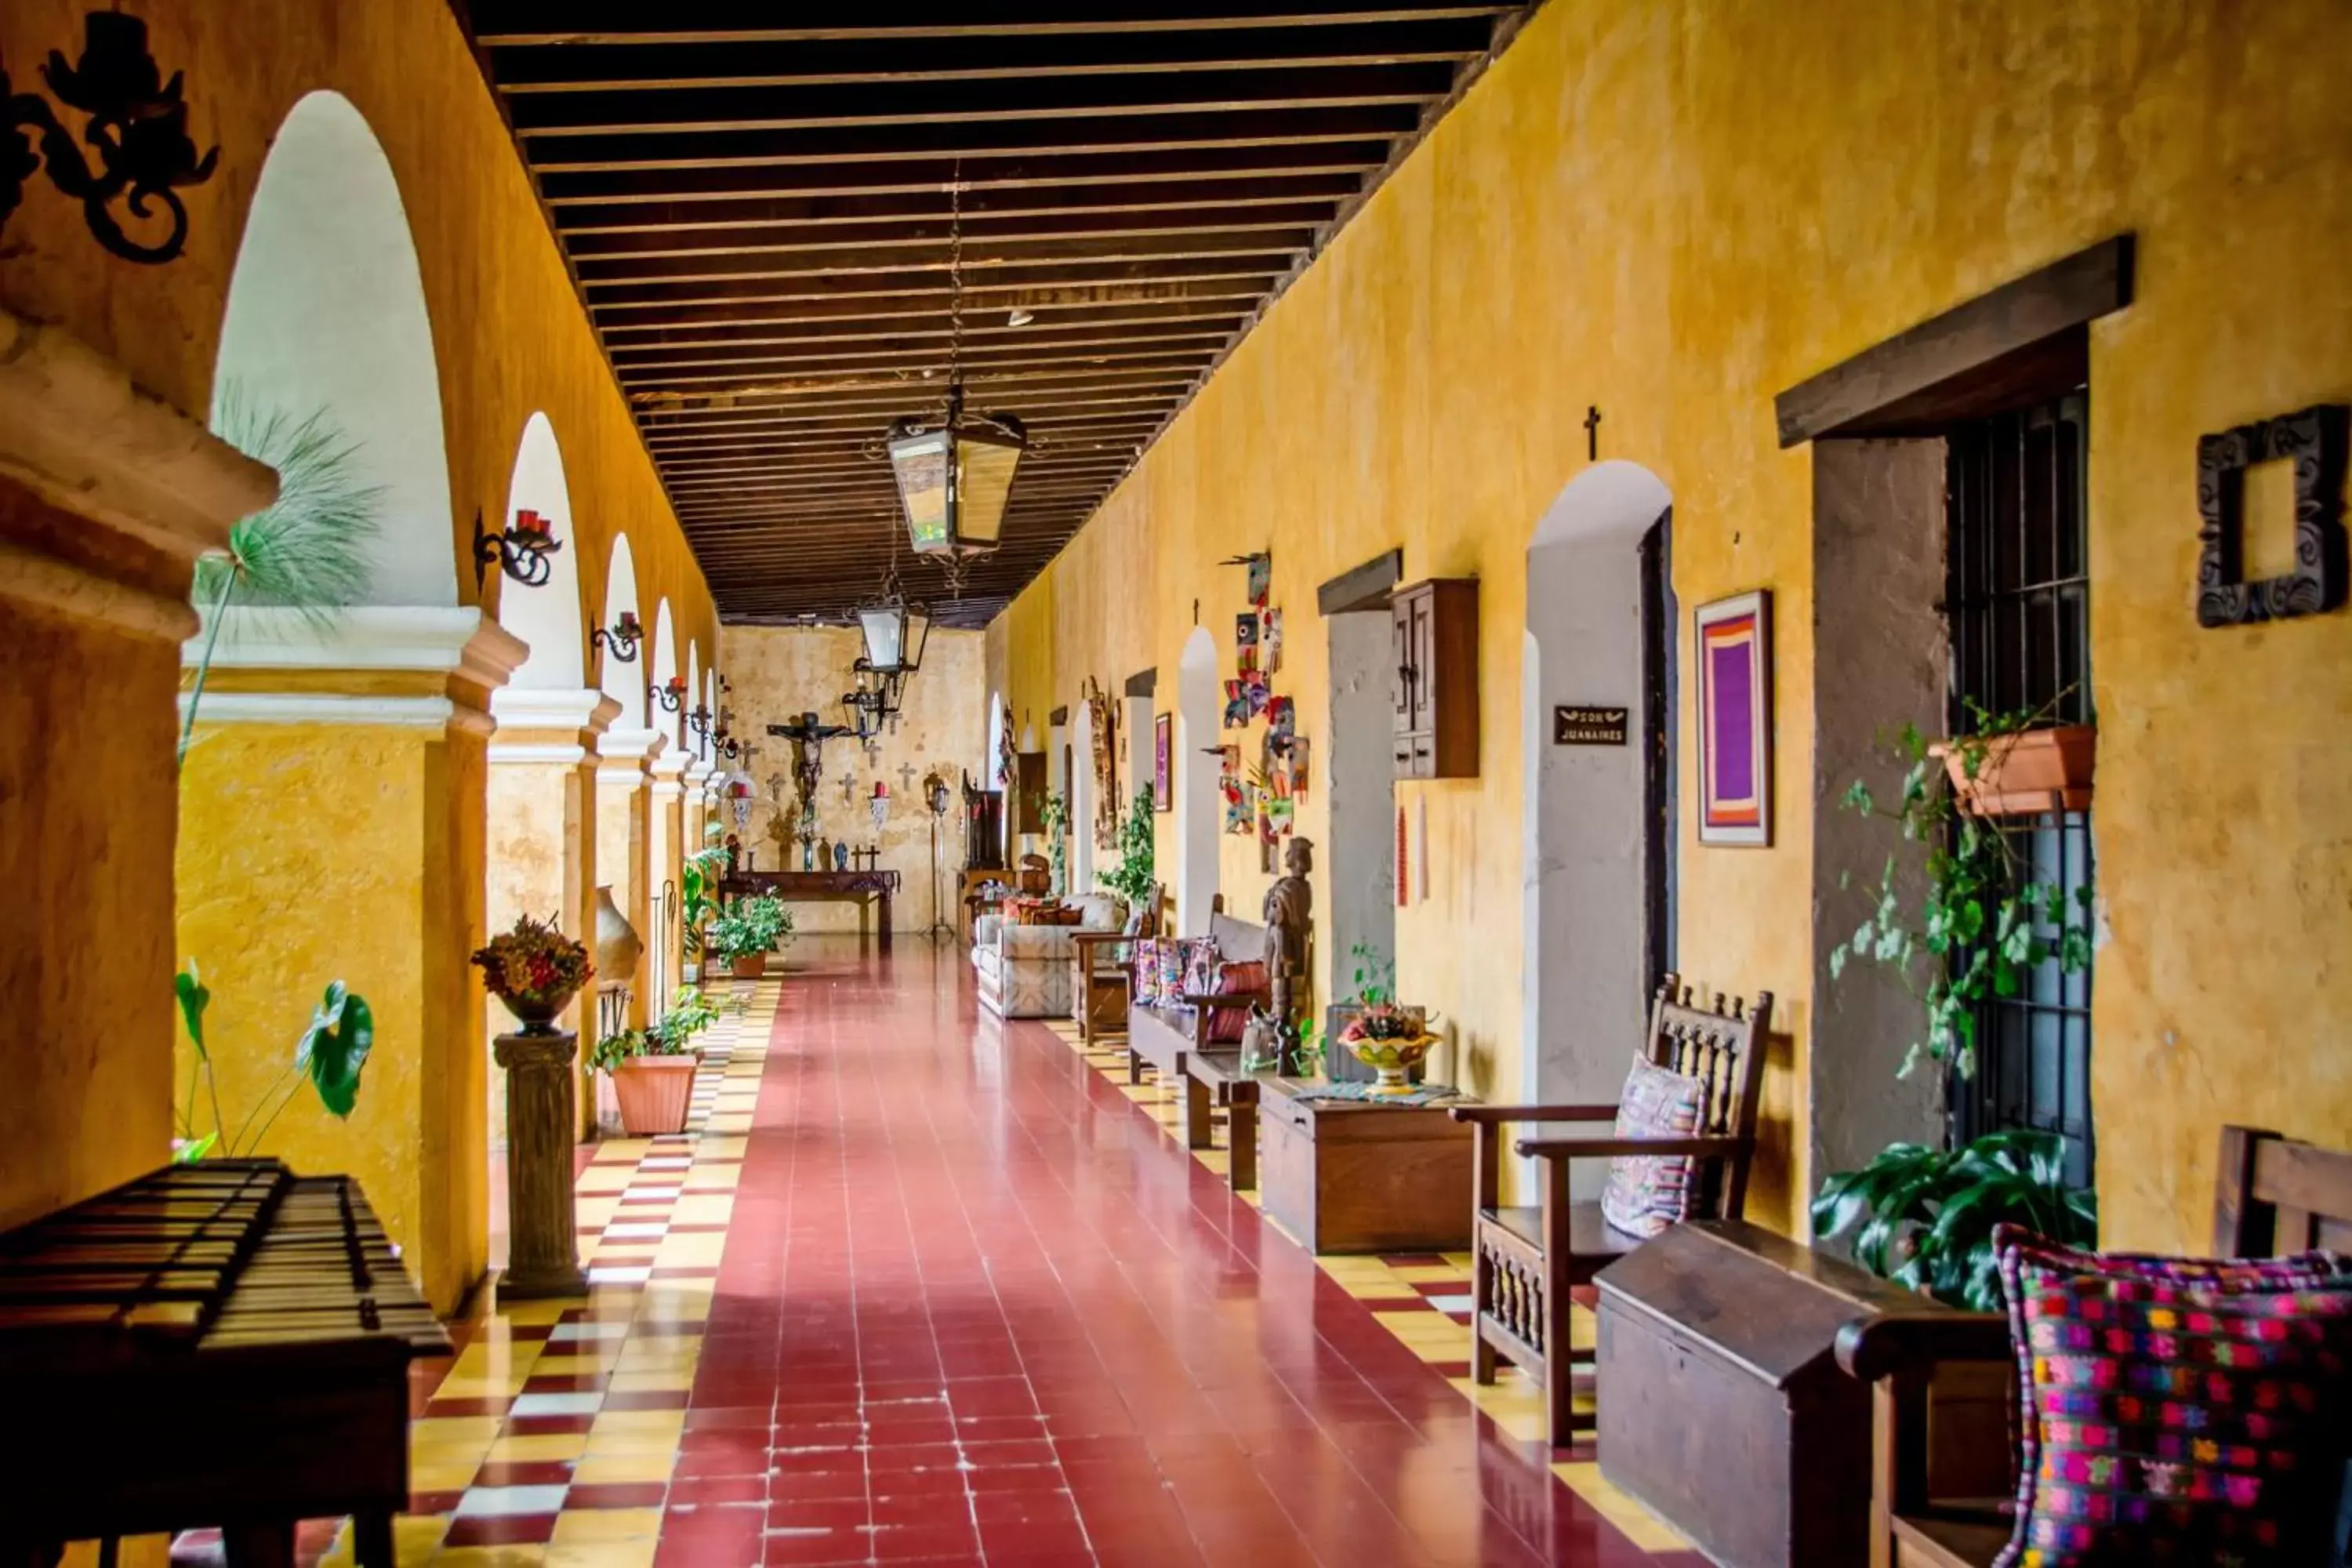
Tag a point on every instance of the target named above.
point(697, 885)
point(746, 930)
point(534, 969)
point(1131, 877)
point(652, 1068)
point(2016, 767)
point(1389, 1038)
point(1056, 816)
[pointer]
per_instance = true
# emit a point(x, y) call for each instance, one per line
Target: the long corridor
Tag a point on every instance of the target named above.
point(972, 1305)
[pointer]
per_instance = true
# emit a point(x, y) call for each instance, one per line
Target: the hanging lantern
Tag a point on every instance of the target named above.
point(895, 633)
point(955, 476)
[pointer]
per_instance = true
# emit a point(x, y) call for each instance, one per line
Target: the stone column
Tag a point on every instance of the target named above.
point(668, 807)
point(107, 498)
point(624, 835)
point(543, 1250)
point(332, 814)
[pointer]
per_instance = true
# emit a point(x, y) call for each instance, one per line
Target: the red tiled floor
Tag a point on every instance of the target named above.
point(974, 1307)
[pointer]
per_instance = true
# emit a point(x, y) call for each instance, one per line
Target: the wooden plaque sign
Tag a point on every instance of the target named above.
point(1589, 726)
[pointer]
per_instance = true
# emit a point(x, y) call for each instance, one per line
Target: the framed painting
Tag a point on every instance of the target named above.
point(1163, 747)
point(1733, 640)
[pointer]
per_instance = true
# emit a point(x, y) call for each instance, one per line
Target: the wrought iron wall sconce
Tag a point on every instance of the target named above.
point(671, 697)
point(621, 641)
point(138, 127)
point(521, 551)
point(727, 746)
point(699, 721)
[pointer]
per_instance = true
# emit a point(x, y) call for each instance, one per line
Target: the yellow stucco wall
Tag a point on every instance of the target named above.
point(510, 339)
point(943, 724)
point(1673, 211)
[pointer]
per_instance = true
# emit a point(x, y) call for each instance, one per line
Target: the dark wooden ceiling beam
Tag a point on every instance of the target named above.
point(858, 333)
point(935, 205)
point(506, 23)
point(936, 236)
point(1265, 247)
point(1222, 286)
point(1046, 170)
point(910, 64)
point(923, 362)
point(835, 146)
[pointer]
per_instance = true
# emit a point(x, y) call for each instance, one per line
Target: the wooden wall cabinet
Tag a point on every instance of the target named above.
point(1435, 695)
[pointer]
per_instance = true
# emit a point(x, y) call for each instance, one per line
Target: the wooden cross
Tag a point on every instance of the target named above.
point(905, 777)
point(848, 787)
point(1593, 432)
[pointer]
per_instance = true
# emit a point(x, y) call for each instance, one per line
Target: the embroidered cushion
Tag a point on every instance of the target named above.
point(1647, 1192)
point(1200, 961)
point(1226, 1023)
point(2176, 1410)
point(1147, 972)
point(1170, 990)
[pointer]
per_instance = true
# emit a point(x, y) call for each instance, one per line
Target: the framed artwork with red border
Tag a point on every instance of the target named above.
point(1733, 642)
point(1163, 752)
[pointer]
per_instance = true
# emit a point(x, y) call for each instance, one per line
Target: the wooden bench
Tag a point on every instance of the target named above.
point(1213, 1078)
point(1528, 1259)
point(1162, 1036)
point(2274, 1196)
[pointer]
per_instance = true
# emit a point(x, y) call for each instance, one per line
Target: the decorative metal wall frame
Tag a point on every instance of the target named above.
point(2314, 442)
point(138, 126)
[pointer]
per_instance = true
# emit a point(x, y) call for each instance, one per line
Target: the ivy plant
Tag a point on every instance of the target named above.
point(1980, 929)
point(1131, 877)
point(1056, 816)
point(1924, 1217)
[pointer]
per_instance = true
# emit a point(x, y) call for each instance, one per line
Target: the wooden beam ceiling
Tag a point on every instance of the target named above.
point(792, 225)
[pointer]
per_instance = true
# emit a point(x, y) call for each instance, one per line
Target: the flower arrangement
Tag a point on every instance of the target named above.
point(534, 969)
point(1378, 1017)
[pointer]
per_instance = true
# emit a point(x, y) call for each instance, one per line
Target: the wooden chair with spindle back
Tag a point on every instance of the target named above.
point(2273, 1197)
point(1106, 969)
point(1528, 1260)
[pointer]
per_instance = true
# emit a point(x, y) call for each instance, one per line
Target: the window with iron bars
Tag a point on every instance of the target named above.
point(2017, 600)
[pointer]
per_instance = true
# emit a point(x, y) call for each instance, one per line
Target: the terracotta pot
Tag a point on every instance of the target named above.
point(750, 966)
point(535, 1013)
point(655, 1093)
point(2026, 773)
point(618, 946)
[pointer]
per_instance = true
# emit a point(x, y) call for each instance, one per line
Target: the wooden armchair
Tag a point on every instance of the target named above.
point(1106, 968)
point(1528, 1259)
point(1929, 1506)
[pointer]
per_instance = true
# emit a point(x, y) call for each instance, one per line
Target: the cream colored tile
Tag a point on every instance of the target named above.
point(539, 1448)
point(598, 1469)
point(1638, 1524)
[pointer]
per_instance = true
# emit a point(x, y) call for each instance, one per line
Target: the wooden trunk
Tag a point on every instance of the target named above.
point(1353, 1176)
point(1722, 1406)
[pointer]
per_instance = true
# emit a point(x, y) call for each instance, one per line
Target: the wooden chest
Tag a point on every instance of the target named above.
point(1361, 1176)
point(1722, 1406)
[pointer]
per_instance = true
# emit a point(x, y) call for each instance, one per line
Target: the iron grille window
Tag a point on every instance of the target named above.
point(2018, 596)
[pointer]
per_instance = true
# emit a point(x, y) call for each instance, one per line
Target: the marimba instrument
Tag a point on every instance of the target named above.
point(222, 1343)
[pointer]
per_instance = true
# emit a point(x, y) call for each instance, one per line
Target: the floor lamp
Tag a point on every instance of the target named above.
point(935, 795)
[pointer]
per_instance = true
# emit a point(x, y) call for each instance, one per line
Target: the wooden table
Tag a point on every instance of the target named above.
point(817, 886)
point(1216, 1077)
point(1361, 1175)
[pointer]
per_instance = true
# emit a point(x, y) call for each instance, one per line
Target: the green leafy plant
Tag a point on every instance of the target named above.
point(750, 926)
point(697, 888)
point(329, 1055)
point(689, 1013)
point(309, 550)
point(1924, 1217)
point(1131, 877)
point(1980, 929)
point(1375, 976)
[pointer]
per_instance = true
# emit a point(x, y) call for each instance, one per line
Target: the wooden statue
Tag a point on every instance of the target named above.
point(1289, 914)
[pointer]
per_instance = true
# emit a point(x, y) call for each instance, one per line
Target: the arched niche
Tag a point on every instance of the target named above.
point(1598, 841)
point(661, 669)
point(546, 616)
point(326, 316)
point(1198, 807)
point(624, 683)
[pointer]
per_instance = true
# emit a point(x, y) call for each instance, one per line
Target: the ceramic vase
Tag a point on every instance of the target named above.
point(618, 947)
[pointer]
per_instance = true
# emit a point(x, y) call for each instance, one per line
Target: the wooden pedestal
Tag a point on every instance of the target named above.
point(1721, 1404)
point(542, 1242)
point(1361, 1176)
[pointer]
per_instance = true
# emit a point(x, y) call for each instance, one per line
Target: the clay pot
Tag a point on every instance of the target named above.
point(655, 1093)
point(618, 946)
point(535, 1013)
point(750, 966)
point(2026, 773)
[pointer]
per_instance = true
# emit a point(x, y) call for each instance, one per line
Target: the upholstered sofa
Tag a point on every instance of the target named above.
point(1028, 971)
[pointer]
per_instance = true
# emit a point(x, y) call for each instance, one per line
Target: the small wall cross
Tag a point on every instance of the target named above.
point(848, 787)
point(1593, 432)
point(905, 777)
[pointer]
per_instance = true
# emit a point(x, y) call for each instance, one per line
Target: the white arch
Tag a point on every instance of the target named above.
point(547, 616)
point(1585, 831)
point(695, 743)
point(326, 315)
point(1198, 809)
point(711, 701)
point(624, 683)
point(661, 669)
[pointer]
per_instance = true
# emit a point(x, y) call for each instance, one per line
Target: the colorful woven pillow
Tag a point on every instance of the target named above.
point(1147, 970)
point(1200, 961)
point(1226, 1023)
point(2176, 1410)
point(1647, 1192)
point(1170, 990)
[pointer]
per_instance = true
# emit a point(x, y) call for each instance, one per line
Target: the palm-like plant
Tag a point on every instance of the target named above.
point(307, 551)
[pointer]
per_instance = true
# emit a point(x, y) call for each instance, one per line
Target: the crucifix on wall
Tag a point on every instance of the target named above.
point(848, 787)
point(906, 778)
